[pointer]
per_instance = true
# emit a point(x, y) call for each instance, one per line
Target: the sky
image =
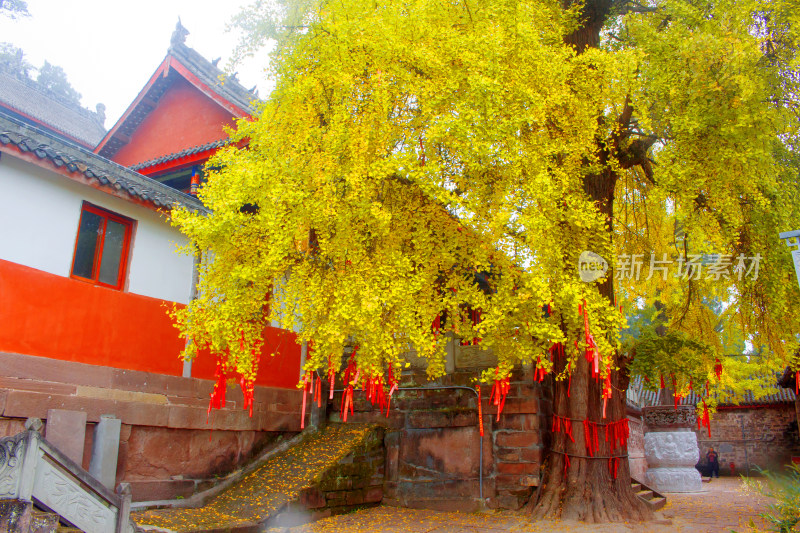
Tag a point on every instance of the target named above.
point(110, 48)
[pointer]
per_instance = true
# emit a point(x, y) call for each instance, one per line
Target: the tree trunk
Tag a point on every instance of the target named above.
point(587, 488)
point(577, 485)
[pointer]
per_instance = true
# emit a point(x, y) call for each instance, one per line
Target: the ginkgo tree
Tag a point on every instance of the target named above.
point(427, 169)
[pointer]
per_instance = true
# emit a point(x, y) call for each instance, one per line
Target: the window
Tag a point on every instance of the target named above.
point(101, 249)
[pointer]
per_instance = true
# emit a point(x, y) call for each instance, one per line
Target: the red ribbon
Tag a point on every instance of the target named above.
point(480, 410)
point(706, 418)
point(606, 392)
point(613, 466)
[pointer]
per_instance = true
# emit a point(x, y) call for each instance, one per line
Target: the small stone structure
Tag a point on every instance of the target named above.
point(435, 455)
point(671, 449)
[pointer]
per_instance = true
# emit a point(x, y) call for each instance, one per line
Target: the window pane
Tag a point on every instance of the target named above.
point(87, 244)
point(112, 252)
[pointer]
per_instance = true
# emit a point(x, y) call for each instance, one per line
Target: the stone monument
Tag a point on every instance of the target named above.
point(670, 448)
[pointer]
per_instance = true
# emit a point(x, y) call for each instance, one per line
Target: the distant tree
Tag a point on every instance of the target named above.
point(54, 79)
point(14, 8)
point(12, 60)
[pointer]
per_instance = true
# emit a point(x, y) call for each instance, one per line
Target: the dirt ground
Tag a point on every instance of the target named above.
point(724, 505)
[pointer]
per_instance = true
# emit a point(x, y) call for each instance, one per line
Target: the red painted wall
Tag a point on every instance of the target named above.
point(52, 316)
point(282, 370)
point(183, 118)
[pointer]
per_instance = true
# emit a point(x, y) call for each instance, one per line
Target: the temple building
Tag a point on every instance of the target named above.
point(90, 265)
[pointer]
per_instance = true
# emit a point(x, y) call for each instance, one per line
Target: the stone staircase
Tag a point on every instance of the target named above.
point(655, 500)
point(34, 474)
point(329, 471)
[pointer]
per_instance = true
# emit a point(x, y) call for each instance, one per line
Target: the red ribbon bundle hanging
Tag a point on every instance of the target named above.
point(331, 378)
point(540, 372)
point(480, 410)
point(476, 319)
point(590, 437)
point(307, 380)
point(592, 353)
point(606, 392)
point(556, 350)
point(436, 324)
point(797, 383)
point(500, 390)
point(558, 421)
point(376, 394)
point(248, 393)
point(617, 434)
point(718, 369)
point(218, 394)
point(351, 375)
point(662, 380)
point(613, 466)
point(706, 418)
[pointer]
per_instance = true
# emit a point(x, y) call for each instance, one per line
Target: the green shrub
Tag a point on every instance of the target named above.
point(784, 514)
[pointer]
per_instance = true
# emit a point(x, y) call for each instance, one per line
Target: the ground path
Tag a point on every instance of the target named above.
point(723, 506)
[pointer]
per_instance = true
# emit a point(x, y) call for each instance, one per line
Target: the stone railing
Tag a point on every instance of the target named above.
point(32, 470)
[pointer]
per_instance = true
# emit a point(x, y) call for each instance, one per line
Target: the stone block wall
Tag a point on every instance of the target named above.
point(433, 442)
point(169, 444)
point(769, 441)
point(354, 482)
point(636, 460)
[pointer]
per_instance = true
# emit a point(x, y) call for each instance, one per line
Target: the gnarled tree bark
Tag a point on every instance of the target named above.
point(585, 488)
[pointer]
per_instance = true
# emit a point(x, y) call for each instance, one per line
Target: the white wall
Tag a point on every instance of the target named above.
point(39, 214)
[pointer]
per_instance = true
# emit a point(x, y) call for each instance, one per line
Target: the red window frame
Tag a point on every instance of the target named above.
point(98, 252)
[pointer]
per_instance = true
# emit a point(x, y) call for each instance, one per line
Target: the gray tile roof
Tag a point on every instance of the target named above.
point(227, 87)
point(640, 396)
point(115, 178)
point(32, 101)
point(177, 155)
point(205, 71)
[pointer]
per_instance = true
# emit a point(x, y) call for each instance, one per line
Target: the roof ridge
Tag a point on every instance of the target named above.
point(217, 78)
point(34, 85)
point(45, 145)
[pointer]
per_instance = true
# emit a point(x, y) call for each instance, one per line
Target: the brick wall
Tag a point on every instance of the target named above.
point(769, 441)
point(433, 443)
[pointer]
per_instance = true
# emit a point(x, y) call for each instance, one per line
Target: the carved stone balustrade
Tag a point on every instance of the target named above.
point(32, 470)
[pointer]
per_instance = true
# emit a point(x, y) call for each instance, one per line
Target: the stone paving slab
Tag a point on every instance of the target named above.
point(722, 506)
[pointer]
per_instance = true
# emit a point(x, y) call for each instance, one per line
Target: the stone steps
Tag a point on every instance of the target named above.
point(22, 517)
point(42, 522)
point(330, 471)
point(653, 499)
